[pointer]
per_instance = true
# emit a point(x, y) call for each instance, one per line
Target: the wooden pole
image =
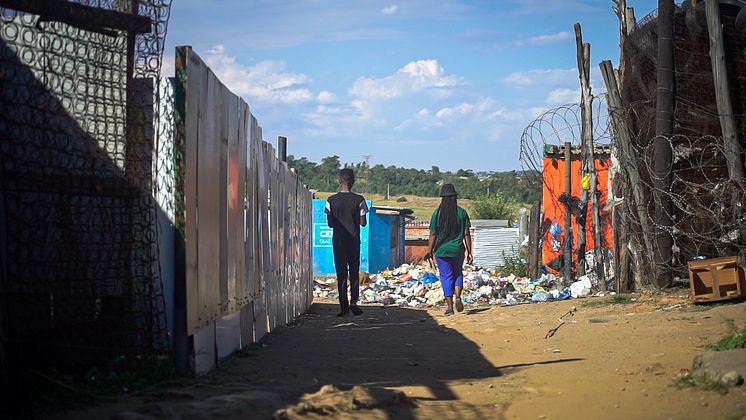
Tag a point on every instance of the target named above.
point(282, 148)
point(722, 94)
point(623, 140)
point(567, 248)
point(589, 165)
point(664, 102)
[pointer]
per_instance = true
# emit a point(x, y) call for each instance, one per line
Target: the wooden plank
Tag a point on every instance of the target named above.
point(81, 16)
point(252, 254)
point(196, 76)
point(222, 96)
point(240, 232)
point(208, 202)
point(261, 310)
point(623, 140)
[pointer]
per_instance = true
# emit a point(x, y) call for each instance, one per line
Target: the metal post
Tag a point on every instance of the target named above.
point(522, 224)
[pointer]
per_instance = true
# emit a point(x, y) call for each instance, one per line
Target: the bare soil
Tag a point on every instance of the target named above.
point(605, 362)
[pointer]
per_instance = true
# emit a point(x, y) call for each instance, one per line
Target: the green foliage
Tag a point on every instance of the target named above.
point(377, 179)
point(736, 339)
point(494, 206)
point(516, 265)
point(611, 300)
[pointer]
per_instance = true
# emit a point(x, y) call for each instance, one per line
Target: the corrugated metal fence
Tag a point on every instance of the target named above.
point(243, 216)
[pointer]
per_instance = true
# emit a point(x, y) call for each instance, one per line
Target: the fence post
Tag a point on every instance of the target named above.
point(725, 108)
point(663, 155)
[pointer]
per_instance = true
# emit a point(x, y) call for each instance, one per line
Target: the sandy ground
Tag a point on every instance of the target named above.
point(610, 362)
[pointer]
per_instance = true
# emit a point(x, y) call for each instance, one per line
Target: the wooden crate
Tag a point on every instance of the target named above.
point(716, 279)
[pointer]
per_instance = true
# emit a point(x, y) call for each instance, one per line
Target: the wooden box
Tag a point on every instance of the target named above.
point(716, 279)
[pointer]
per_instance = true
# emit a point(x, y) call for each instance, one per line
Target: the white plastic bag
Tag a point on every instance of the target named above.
point(582, 287)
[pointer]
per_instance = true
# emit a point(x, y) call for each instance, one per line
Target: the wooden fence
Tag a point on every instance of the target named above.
point(243, 223)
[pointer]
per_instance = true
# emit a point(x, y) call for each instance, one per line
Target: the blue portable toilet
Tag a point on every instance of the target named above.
point(381, 240)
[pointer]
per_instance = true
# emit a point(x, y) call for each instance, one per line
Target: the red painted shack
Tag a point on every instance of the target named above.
point(554, 211)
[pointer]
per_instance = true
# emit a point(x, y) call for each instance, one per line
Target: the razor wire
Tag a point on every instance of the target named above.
point(557, 126)
point(705, 206)
point(82, 179)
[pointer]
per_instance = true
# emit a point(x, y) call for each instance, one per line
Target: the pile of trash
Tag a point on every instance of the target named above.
point(418, 286)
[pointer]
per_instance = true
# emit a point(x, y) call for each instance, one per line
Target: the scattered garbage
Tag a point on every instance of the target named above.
point(418, 286)
point(581, 288)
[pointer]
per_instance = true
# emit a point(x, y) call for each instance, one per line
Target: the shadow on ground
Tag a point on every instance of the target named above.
point(344, 367)
point(384, 347)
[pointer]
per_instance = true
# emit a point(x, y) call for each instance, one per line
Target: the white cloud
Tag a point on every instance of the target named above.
point(390, 10)
point(563, 96)
point(495, 134)
point(266, 81)
point(326, 97)
point(415, 76)
point(545, 39)
point(542, 77)
point(461, 109)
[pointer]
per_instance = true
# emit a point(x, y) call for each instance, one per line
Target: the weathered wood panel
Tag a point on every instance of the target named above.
point(247, 222)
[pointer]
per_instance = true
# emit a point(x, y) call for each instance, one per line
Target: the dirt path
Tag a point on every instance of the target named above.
point(606, 362)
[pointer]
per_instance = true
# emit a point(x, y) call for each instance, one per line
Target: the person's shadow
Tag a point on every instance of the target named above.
point(385, 347)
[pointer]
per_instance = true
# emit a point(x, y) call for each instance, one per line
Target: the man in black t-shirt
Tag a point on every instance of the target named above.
point(345, 213)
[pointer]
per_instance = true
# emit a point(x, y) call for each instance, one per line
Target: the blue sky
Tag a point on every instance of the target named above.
point(412, 83)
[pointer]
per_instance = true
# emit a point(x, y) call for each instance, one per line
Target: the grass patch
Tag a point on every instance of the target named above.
point(610, 300)
point(423, 207)
point(736, 339)
point(703, 381)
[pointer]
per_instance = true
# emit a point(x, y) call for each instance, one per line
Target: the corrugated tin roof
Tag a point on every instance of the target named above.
point(490, 223)
point(491, 246)
point(401, 210)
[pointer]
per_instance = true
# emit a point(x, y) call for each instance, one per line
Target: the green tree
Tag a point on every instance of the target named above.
point(493, 206)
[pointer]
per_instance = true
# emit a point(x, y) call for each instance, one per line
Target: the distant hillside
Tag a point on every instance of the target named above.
point(377, 179)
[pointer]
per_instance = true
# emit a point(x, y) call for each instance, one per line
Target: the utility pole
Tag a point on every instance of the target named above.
point(664, 102)
point(366, 165)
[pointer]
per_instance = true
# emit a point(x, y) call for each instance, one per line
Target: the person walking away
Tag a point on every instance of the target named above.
point(345, 214)
point(450, 242)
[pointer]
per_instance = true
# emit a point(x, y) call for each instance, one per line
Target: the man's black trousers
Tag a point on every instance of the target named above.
point(347, 264)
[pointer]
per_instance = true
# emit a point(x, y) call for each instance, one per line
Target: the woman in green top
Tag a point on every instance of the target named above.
point(449, 239)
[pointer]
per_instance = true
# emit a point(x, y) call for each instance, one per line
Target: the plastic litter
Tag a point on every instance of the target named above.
point(581, 288)
point(418, 286)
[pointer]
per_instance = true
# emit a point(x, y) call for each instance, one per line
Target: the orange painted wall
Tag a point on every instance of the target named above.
point(554, 186)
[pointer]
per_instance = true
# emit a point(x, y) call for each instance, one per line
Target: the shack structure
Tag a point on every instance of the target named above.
point(554, 186)
point(493, 241)
point(381, 240)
